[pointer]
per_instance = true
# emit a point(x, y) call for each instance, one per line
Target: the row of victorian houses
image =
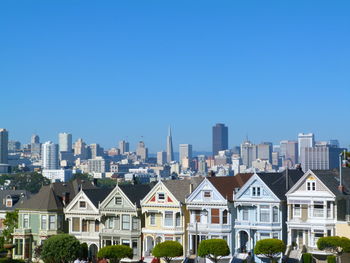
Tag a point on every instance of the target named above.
point(293, 206)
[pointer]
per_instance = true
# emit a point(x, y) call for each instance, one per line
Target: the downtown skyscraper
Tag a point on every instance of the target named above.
point(220, 138)
point(169, 147)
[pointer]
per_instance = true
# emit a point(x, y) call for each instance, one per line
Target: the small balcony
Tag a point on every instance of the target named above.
point(22, 232)
point(209, 227)
point(257, 224)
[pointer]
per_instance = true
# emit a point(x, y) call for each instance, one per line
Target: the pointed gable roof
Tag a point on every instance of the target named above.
point(97, 195)
point(227, 184)
point(45, 199)
point(136, 192)
point(278, 183)
point(330, 178)
point(181, 188)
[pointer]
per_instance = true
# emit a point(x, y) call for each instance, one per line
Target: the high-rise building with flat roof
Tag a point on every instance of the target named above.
point(289, 153)
point(321, 157)
point(35, 139)
point(4, 140)
point(248, 153)
point(49, 156)
point(161, 157)
point(220, 138)
point(265, 151)
point(96, 150)
point(65, 142)
point(123, 147)
point(169, 147)
point(80, 149)
point(185, 151)
point(142, 151)
point(304, 140)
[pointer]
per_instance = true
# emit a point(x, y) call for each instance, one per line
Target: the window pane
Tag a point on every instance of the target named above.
point(178, 219)
point(43, 222)
point(275, 214)
point(224, 217)
point(215, 216)
point(125, 222)
point(76, 224)
point(52, 222)
point(168, 220)
point(152, 219)
point(84, 226)
point(135, 223)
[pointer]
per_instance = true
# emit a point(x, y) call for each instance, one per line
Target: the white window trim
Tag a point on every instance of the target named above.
point(83, 208)
point(311, 182)
point(115, 200)
point(294, 215)
point(172, 212)
point(161, 200)
point(41, 226)
point(150, 220)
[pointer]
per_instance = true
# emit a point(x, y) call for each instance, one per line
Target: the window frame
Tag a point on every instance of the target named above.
point(118, 198)
point(167, 213)
point(81, 202)
point(265, 210)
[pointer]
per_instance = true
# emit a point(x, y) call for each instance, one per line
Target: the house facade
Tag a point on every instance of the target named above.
point(317, 205)
point(261, 210)
point(166, 216)
point(84, 219)
point(211, 210)
point(122, 218)
point(42, 216)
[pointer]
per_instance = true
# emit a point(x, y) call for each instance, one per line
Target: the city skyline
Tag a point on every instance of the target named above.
point(122, 71)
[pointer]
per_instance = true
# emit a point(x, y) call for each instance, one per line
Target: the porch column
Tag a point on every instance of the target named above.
point(289, 237)
point(304, 237)
point(324, 209)
point(288, 211)
point(332, 208)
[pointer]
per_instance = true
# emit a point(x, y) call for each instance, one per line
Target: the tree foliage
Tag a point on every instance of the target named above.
point(115, 253)
point(307, 258)
point(60, 249)
point(10, 223)
point(30, 181)
point(84, 250)
point(81, 176)
point(213, 249)
point(270, 248)
point(334, 244)
point(168, 250)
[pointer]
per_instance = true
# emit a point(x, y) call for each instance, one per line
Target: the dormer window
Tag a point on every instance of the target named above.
point(255, 191)
point(82, 204)
point(207, 194)
point(311, 185)
point(161, 197)
point(118, 200)
point(8, 201)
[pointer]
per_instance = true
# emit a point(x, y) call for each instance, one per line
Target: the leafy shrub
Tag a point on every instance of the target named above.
point(60, 248)
point(9, 260)
point(270, 248)
point(168, 250)
point(213, 249)
point(307, 258)
point(331, 259)
point(115, 253)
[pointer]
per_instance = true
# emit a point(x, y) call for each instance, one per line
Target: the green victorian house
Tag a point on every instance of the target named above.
point(42, 216)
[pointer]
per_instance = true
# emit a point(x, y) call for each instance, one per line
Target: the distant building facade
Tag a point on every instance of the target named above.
point(220, 138)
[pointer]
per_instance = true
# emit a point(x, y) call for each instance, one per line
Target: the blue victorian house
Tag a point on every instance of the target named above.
point(262, 210)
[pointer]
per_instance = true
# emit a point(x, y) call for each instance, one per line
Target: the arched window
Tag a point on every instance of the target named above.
point(275, 214)
point(224, 216)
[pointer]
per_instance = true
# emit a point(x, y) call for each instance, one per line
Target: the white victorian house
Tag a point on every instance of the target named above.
point(316, 203)
point(84, 219)
point(211, 210)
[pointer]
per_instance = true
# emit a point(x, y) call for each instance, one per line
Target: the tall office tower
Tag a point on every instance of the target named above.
point(35, 139)
point(161, 157)
point(202, 165)
point(96, 150)
point(220, 138)
point(80, 149)
point(248, 153)
point(320, 157)
point(289, 153)
point(265, 151)
point(333, 143)
point(123, 147)
point(142, 151)
point(14, 146)
point(49, 156)
point(276, 159)
point(169, 147)
point(65, 142)
point(4, 141)
point(304, 140)
point(185, 151)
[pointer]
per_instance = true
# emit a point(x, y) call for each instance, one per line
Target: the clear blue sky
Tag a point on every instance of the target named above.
point(108, 70)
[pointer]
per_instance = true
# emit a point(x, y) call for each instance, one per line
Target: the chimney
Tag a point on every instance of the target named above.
point(287, 179)
point(94, 182)
point(65, 198)
point(341, 188)
point(191, 188)
point(211, 174)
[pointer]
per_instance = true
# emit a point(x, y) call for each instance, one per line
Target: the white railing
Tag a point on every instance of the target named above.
point(318, 212)
point(200, 226)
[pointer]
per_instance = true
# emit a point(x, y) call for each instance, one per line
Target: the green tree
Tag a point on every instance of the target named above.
point(334, 244)
point(60, 249)
point(307, 258)
point(31, 181)
point(168, 250)
point(270, 248)
point(81, 176)
point(115, 253)
point(213, 249)
point(10, 223)
point(106, 183)
point(84, 250)
point(331, 259)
